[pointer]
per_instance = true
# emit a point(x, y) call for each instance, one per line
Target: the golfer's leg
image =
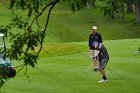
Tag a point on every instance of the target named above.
point(102, 71)
point(102, 67)
point(95, 64)
point(103, 74)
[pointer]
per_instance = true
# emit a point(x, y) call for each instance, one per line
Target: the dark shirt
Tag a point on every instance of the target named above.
point(103, 51)
point(94, 37)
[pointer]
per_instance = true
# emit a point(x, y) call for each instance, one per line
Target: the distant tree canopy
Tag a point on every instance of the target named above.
point(112, 7)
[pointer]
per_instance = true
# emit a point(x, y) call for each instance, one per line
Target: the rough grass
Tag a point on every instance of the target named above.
point(66, 26)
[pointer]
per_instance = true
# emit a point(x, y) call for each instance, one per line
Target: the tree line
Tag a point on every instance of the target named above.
point(111, 8)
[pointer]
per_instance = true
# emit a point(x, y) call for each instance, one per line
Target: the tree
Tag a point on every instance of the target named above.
point(113, 7)
point(137, 10)
point(26, 46)
point(23, 45)
point(76, 4)
point(130, 6)
point(91, 3)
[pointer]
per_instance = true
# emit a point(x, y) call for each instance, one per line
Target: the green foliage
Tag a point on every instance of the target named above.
point(25, 40)
point(112, 7)
point(23, 46)
point(24, 43)
point(31, 5)
point(76, 4)
point(117, 7)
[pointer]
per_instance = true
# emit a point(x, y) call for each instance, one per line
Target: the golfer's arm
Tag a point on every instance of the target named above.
point(97, 52)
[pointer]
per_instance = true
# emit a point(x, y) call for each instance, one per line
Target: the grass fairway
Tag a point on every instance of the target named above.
point(68, 72)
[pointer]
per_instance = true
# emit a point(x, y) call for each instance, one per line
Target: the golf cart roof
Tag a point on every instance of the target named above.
point(1, 34)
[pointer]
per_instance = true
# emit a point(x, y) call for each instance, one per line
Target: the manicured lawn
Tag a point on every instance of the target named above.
point(71, 72)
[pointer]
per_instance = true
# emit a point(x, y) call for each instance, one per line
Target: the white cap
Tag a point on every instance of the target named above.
point(94, 27)
point(1, 34)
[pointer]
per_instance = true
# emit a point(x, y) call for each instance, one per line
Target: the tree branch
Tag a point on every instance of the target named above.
point(36, 17)
point(8, 7)
point(47, 21)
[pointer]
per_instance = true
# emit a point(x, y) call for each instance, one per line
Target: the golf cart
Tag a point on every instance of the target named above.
point(6, 69)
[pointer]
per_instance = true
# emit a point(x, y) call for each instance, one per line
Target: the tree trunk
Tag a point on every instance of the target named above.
point(137, 10)
point(130, 7)
point(91, 3)
point(94, 3)
point(122, 11)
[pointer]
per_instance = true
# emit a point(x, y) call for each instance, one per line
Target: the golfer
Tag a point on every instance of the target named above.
point(103, 56)
point(94, 36)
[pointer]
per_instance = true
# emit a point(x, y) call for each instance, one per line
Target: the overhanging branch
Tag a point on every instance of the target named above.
point(46, 25)
point(36, 17)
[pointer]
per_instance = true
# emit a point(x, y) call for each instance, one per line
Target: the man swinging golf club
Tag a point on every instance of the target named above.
point(103, 56)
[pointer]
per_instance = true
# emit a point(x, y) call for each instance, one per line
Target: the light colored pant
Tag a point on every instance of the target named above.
point(95, 63)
